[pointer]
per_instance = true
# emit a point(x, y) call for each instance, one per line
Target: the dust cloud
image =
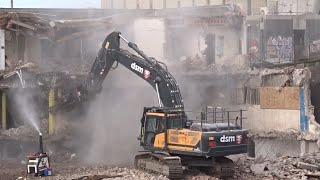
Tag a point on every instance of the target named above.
point(114, 118)
point(26, 107)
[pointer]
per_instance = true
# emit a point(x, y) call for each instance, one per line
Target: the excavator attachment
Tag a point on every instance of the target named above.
point(149, 69)
point(93, 83)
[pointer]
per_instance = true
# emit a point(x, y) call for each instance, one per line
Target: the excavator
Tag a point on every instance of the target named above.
point(172, 143)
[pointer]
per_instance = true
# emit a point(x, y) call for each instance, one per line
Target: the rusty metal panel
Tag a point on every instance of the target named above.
point(279, 98)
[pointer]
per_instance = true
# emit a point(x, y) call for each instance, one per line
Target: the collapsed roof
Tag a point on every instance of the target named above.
point(57, 30)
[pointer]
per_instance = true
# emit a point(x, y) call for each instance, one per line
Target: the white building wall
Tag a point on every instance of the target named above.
point(144, 4)
point(201, 2)
point(118, 4)
point(149, 35)
point(158, 4)
point(269, 120)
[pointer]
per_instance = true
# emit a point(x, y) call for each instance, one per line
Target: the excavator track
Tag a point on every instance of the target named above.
point(223, 167)
point(166, 165)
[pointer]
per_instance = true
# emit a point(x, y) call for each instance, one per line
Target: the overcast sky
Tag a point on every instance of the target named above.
point(51, 3)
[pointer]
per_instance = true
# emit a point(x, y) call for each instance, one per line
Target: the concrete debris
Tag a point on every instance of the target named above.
point(22, 132)
point(280, 168)
point(246, 169)
point(97, 177)
point(308, 166)
point(298, 77)
point(313, 175)
point(271, 167)
point(258, 168)
point(288, 134)
point(46, 25)
point(18, 66)
point(276, 71)
point(197, 64)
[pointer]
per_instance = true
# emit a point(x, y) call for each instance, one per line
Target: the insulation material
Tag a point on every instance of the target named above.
point(272, 98)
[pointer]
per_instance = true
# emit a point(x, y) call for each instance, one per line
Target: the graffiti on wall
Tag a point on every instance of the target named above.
point(315, 47)
point(280, 48)
point(254, 47)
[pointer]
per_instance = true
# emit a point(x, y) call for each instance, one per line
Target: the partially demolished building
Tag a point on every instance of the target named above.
point(211, 49)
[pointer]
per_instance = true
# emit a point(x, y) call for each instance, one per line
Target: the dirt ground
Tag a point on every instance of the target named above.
point(67, 167)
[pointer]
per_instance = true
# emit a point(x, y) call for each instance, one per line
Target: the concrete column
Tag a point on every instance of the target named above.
point(4, 111)
point(151, 4)
point(304, 148)
point(2, 50)
point(51, 115)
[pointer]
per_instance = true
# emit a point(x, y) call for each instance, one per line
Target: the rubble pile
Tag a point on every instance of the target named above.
point(22, 132)
point(68, 166)
point(47, 25)
point(198, 64)
point(18, 66)
point(281, 168)
point(67, 69)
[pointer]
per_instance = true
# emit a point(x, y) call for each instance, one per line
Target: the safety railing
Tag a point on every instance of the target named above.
point(214, 115)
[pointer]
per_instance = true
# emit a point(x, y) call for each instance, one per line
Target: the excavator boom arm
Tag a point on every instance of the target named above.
point(149, 69)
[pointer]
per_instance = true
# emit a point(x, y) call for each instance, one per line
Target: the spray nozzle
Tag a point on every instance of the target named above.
point(40, 143)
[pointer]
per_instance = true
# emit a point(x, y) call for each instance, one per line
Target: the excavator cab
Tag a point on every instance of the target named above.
point(157, 122)
point(165, 129)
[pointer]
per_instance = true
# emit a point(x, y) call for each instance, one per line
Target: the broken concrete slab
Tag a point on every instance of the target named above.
point(271, 167)
point(308, 166)
point(258, 168)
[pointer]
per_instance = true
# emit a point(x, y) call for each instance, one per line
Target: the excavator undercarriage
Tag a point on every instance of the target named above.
point(166, 165)
point(173, 166)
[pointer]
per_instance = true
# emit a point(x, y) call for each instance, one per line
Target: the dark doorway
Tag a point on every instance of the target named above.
point(210, 51)
point(298, 44)
point(315, 99)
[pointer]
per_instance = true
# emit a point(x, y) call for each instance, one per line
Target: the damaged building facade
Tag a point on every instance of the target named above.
point(232, 57)
point(280, 89)
point(47, 52)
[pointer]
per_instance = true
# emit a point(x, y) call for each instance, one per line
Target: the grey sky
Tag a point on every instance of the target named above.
point(51, 3)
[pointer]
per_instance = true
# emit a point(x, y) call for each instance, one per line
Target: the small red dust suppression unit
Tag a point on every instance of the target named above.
point(39, 164)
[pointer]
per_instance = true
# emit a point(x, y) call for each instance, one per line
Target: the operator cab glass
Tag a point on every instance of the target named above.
point(154, 124)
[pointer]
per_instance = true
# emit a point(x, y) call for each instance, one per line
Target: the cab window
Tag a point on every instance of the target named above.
point(151, 124)
point(174, 122)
